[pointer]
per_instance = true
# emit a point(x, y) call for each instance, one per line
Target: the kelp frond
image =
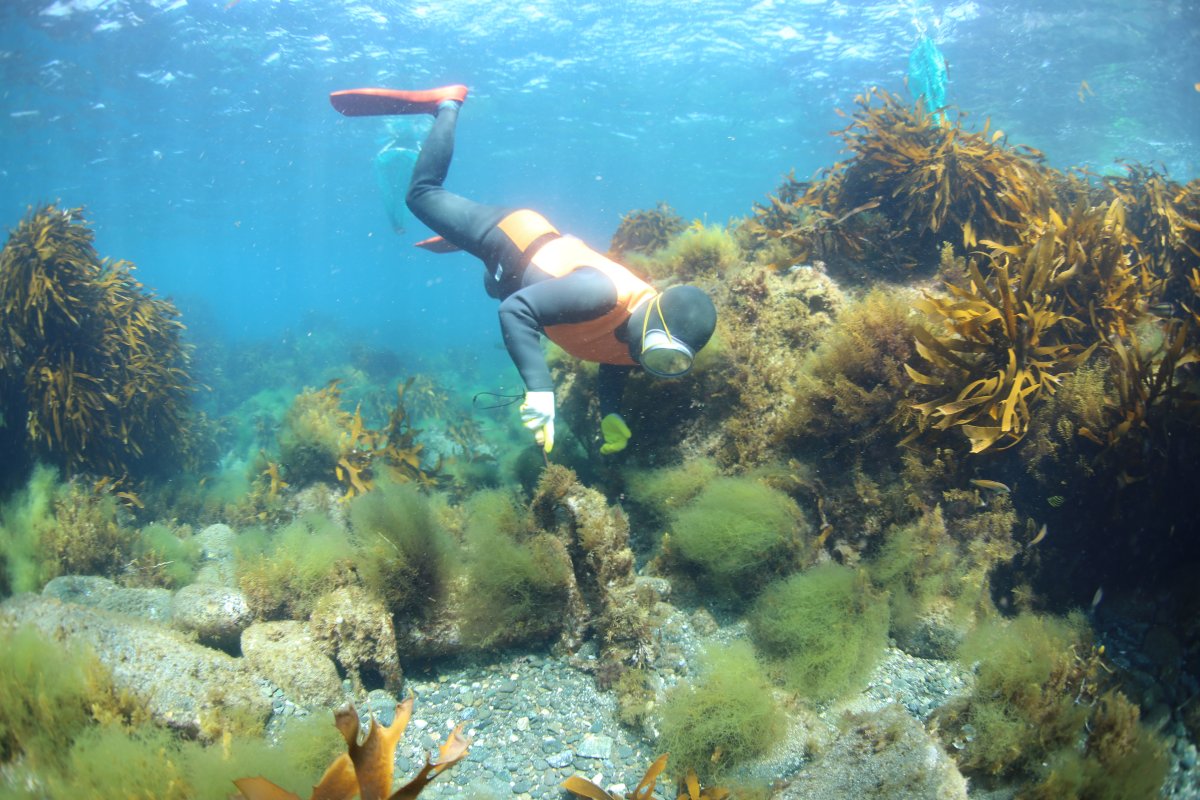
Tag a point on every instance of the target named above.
point(365, 769)
point(994, 346)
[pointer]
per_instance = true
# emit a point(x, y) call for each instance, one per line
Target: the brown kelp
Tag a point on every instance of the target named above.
point(645, 231)
point(320, 440)
point(913, 179)
point(91, 363)
point(1000, 341)
point(365, 770)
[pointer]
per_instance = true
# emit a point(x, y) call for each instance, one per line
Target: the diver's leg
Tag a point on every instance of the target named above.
point(460, 221)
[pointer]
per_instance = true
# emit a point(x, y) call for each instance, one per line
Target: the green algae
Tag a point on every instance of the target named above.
point(822, 631)
point(724, 717)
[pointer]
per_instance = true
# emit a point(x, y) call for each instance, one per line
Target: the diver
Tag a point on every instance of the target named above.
point(546, 282)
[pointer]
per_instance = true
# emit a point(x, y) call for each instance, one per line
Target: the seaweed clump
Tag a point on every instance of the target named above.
point(914, 179)
point(737, 535)
point(91, 363)
point(724, 717)
point(1041, 689)
point(320, 441)
point(1006, 342)
point(645, 231)
point(519, 578)
point(823, 630)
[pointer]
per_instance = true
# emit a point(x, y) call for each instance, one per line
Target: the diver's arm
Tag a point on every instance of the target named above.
point(578, 296)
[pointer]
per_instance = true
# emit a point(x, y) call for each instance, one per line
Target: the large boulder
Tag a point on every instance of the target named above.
point(356, 630)
point(150, 604)
point(287, 654)
point(217, 615)
point(184, 685)
point(218, 558)
point(882, 755)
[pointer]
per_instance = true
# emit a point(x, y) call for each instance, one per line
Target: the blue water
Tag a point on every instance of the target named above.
point(200, 138)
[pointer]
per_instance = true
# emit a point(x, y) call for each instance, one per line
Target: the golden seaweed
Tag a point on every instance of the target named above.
point(365, 770)
point(90, 360)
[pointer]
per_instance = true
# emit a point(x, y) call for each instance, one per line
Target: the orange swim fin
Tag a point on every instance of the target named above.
point(384, 102)
point(436, 244)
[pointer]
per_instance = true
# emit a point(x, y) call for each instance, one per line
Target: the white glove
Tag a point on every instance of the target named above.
point(537, 414)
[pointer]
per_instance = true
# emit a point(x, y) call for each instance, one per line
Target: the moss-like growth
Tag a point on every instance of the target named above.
point(163, 557)
point(923, 572)
point(21, 519)
point(86, 537)
point(824, 630)
point(406, 552)
point(43, 707)
point(661, 492)
point(852, 388)
point(310, 439)
point(517, 579)
point(284, 573)
point(699, 254)
point(725, 717)
point(739, 533)
point(1039, 691)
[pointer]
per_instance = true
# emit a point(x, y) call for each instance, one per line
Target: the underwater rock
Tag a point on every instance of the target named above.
point(287, 654)
point(217, 555)
point(356, 630)
point(936, 633)
point(150, 604)
point(217, 615)
point(185, 686)
point(882, 754)
point(605, 597)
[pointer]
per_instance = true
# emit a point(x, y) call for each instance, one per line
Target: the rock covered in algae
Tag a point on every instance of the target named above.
point(884, 755)
point(184, 685)
point(604, 597)
point(288, 654)
point(215, 614)
point(150, 604)
point(356, 630)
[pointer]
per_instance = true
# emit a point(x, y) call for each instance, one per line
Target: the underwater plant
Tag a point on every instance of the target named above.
point(42, 710)
point(1164, 217)
point(699, 254)
point(319, 440)
point(913, 179)
point(850, 390)
point(517, 578)
point(725, 716)
point(645, 231)
point(822, 630)
point(366, 769)
point(404, 554)
point(738, 534)
point(997, 343)
point(91, 363)
point(282, 573)
point(1042, 687)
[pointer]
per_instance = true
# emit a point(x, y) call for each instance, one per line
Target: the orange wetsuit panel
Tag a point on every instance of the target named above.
point(595, 339)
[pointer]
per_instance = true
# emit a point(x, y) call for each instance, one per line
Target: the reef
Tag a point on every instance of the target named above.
point(91, 363)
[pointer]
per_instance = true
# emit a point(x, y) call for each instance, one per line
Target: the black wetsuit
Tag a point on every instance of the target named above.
point(530, 299)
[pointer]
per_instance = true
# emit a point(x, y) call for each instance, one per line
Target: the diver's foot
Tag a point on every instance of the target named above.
point(381, 102)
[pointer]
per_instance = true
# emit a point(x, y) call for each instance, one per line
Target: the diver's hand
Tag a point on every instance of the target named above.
point(616, 434)
point(537, 414)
